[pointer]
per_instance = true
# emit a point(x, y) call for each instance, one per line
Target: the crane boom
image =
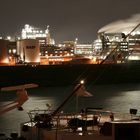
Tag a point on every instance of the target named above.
point(102, 62)
point(22, 97)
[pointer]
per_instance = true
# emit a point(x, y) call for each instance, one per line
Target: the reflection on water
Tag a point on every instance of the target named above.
point(118, 98)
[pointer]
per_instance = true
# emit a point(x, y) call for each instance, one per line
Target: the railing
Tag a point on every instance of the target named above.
point(61, 120)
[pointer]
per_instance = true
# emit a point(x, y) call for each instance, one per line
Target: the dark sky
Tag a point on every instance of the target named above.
point(68, 19)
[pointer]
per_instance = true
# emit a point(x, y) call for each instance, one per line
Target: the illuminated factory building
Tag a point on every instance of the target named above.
point(119, 42)
point(122, 38)
point(28, 50)
point(29, 32)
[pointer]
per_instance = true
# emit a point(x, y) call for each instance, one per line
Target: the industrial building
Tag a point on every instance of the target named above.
point(121, 39)
point(117, 42)
point(28, 50)
point(4, 52)
point(30, 32)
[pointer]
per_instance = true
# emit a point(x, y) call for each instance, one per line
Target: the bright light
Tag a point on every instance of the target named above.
point(133, 33)
point(18, 38)
point(31, 32)
point(5, 60)
point(10, 51)
point(37, 60)
point(68, 54)
point(133, 58)
point(14, 51)
point(80, 134)
point(79, 128)
point(89, 57)
point(94, 58)
point(82, 82)
point(8, 37)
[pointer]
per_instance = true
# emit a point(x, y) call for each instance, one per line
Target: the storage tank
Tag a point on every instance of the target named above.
point(28, 50)
point(4, 52)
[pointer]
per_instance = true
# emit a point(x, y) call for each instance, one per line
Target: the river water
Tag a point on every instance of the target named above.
point(119, 98)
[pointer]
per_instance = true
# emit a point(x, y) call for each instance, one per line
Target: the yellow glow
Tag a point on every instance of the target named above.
point(5, 60)
point(94, 58)
point(37, 60)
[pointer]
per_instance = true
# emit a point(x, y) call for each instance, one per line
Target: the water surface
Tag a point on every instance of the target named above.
point(119, 98)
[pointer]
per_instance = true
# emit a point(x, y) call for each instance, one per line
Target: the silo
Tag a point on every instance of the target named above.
point(4, 52)
point(29, 50)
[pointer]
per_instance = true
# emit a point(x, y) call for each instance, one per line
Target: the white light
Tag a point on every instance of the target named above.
point(9, 37)
point(133, 33)
point(82, 82)
point(133, 58)
point(80, 129)
point(18, 38)
point(14, 51)
point(26, 26)
point(10, 51)
point(80, 134)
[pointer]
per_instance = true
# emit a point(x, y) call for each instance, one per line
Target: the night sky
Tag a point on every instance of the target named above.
point(68, 19)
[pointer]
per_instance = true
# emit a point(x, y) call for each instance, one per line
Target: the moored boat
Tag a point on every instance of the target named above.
point(89, 123)
point(62, 75)
point(95, 124)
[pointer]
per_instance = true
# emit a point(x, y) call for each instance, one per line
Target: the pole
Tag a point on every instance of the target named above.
point(66, 100)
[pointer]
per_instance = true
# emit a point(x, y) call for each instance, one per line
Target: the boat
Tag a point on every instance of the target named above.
point(66, 126)
point(87, 124)
point(63, 75)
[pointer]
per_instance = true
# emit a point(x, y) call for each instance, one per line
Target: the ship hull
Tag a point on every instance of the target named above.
point(60, 75)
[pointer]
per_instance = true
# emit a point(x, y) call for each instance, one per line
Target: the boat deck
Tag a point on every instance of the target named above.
point(62, 128)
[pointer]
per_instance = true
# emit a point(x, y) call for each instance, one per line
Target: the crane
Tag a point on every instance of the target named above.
point(124, 38)
point(22, 97)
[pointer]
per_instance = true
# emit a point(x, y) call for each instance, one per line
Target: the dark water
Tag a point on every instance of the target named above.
point(118, 98)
